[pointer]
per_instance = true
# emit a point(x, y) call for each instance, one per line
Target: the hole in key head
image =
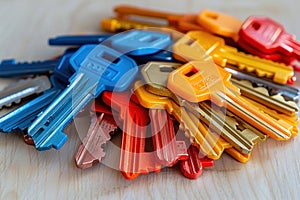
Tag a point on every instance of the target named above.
point(148, 38)
point(213, 16)
point(191, 72)
point(165, 68)
point(256, 26)
point(110, 58)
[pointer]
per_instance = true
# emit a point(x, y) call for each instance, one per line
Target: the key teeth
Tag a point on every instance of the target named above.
point(56, 141)
point(87, 160)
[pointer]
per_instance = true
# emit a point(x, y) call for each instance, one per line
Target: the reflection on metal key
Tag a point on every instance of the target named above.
point(197, 44)
point(198, 81)
point(15, 92)
point(134, 160)
point(103, 69)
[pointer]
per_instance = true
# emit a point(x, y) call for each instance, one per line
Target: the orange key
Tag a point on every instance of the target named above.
point(198, 45)
point(179, 22)
point(198, 81)
point(220, 23)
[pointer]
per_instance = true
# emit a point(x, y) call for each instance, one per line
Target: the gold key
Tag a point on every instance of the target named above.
point(190, 47)
point(261, 94)
point(153, 101)
point(198, 81)
point(156, 75)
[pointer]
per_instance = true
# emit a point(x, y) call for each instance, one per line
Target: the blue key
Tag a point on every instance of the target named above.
point(103, 69)
point(72, 40)
point(139, 42)
point(22, 117)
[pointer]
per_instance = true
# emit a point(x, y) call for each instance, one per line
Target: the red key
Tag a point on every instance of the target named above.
point(269, 37)
point(169, 151)
point(134, 160)
point(28, 140)
point(194, 166)
point(102, 127)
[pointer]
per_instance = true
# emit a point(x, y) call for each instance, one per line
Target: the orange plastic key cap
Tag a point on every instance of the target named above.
point(220, 23)
point(226, 56)
point(199, 83)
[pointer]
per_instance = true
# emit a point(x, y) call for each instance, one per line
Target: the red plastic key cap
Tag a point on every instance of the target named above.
point(134, 160)
point(269, 36)
point(194, 166)
point(169, 150)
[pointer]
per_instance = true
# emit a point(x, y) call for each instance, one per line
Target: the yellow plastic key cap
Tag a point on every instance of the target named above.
point(220, 23)
point(197, 82)
point(190, 48)
point(243, 158)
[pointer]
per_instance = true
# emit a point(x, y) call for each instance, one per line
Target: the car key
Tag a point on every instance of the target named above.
point(77, 40)
point(189, 48)
point(188, 82)
point(15, 92)
point(134, 160)
point(103, 69)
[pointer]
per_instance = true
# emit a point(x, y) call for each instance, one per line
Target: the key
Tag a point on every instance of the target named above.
point(269, 36)
point(139, 42)
point(187, 49)
point(103, 69)
point(156, 75)
point(180, 22)
point(91, 150)
point(195, 83)
point(28, 140)
point(262, 95)
point(15, 92)
point(289, 93)
point(194, 166)
point(220, 23)
point(77, 40)
point(23, 116)
point(134, 160)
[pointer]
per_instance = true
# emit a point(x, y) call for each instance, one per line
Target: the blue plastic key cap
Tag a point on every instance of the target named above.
point(139, 42)
point(22, 117)
point(103, 69)
point(78, 40)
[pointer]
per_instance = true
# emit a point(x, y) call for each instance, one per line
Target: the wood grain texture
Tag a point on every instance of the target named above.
point(272, 173)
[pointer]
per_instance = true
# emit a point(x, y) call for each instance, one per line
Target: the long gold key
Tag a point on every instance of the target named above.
point(190, 48)
point(199, 81)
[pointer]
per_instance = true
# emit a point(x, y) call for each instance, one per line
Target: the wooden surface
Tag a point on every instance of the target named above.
point(273, 172)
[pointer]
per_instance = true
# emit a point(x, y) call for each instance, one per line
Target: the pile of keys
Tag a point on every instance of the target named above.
point(176, 94)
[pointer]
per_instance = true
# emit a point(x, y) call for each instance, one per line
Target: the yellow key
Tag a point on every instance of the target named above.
point(197, 45)
point(152, 101)
point(220, 23)
point(155, 75)
point(199, 81)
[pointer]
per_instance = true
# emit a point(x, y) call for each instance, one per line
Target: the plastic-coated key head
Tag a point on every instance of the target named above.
point(103, 69)
point(220, 23)
point(269, 36)
point(139, 42)
point(78, 40)
point(194, 166)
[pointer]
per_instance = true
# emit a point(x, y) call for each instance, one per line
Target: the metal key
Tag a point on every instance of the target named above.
point(15, 92)
point(23, 116)
point(269, 36)
point(91, 150)
point(103, 69)
point(262, 95)
point(220, 23)
point(134, 160)
point(202, 80)
point(191, 47)
point(78, 40)
point(289, 93)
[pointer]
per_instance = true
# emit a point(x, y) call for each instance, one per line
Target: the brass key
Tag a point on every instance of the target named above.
point(261, 94)
point(198, 81)
point(191, 47)
point(153, 101)
point(156, 74)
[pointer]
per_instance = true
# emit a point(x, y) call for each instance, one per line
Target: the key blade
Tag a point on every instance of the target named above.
point(91, 150)
point(15, 92)
point(77, 40)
